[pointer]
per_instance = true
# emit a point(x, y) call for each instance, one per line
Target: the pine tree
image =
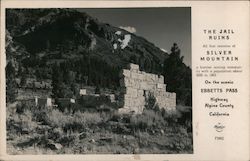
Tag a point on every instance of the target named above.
point(57, 82)
point(178, 76)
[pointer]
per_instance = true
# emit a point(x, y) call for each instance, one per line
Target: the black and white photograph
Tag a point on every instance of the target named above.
point(98, 81)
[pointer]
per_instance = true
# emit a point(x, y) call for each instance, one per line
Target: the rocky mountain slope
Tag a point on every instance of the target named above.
point(72, 48)
point(43, 33)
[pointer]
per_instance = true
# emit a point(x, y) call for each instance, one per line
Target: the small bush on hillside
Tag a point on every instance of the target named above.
point(151, 103)
point(22, 123)
point(19, 108)
point(148, 119)
point(171, 117)
point(57, 118)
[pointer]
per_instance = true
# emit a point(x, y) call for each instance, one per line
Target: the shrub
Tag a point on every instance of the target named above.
point(88, 118)
point(171, 117)
point(20, 108)
point(58, 119)
point(141, 122)
point(147, 119)
point(185, 115)
point(24, 122)
point(151, 103)
point(155, 116)
point(41, 116)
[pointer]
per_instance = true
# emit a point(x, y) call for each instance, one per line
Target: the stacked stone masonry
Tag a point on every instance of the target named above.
point(136, 87)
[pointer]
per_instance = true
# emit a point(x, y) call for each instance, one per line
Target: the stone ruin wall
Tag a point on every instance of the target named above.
point(137, 84)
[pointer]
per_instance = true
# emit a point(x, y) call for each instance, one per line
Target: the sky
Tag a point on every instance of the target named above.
point(161, 26)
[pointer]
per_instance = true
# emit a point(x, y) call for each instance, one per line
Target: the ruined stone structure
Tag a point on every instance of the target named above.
point(138, 85)
point(43, 101)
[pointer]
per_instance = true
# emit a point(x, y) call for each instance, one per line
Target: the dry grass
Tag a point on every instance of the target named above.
point(50, 131)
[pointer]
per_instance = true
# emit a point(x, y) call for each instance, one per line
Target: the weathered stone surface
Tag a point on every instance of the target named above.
point(112, 98)
point(161, 79)
point(140, 92)
point(83, 92)
point(136, 85)
point(133, 66)
point(124, 110)
point(126, 73)
point(131, 92)
point(161, 86)
point(143, 86)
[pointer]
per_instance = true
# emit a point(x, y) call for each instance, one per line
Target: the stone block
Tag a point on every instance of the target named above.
point(174, 95)
point(135, 84)
point(127, 103)
point(139, 101)
point(167, 94)
point(83, 92)
point(124, 110)
point(141, 77)
point(135, 103)
point(131, 92)
point(126, 73)
point(112, 98)
point(72, 100)
point(150, 78)
point(161, 86)
point(134, 71)
point(151, 87)
point(155, 78)
point(137, 110)
point(135, 75)
point(49, 102)
point(161, 79)
point(133, 66)
point(144, 75)
point(140, 93)
point(127, 82)
point(164, 94)
point(143, 86)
